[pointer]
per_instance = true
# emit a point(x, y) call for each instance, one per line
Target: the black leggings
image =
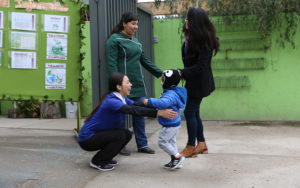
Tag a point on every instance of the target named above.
point(109, 142)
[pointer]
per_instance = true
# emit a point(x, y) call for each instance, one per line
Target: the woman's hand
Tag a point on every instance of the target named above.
point(180, 73)
point(180, 111)
point(167, 113)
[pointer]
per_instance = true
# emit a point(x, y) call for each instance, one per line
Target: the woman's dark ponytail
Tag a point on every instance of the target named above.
point(118, 28)
point(97, 107)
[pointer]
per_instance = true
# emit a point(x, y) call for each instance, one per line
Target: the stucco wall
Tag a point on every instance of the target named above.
point(272, 92)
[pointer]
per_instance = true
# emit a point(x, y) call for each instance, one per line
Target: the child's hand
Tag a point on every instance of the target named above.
point(145, 102)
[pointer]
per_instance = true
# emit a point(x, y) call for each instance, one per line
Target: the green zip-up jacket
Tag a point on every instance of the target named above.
point(126, 55)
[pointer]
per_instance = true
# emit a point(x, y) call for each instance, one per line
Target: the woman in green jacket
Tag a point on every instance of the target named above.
point(124, 54)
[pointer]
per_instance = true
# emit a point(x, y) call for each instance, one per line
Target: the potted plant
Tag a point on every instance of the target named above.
point(28, 108)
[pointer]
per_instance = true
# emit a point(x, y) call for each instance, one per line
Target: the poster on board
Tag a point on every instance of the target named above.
point(1, 19)
point(0, 57)
point(55, 77)
point(23, 60)
point(1, 38)
point(55, 23)
point(23, 21)
point(4, 3)
point(57, 46)
point(22, 40)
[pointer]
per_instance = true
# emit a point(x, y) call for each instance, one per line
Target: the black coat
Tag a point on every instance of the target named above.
point(198, 74)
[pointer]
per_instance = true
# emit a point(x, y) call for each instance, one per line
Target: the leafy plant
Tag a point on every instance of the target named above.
point(29, 108)
point(269, 15)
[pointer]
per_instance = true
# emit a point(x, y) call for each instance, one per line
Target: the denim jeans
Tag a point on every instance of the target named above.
point(193, 121)
point(138, 124)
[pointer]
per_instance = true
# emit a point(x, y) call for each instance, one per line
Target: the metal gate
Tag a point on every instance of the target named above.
point(104, 15)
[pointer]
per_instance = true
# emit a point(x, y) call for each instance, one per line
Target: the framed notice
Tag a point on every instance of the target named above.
point(1, 19)
point(4, 3)
point(55, 23)
point(23, 21)
point(22, 40)
point(1, 38)
point(23, 60)
point(0, 57)
point(55, 77)
point(57, 46)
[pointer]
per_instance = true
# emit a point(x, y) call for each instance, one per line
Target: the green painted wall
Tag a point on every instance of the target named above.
point(5, 105)
point(24, 83)
point(269, 90)
point(167, 53)
point(86, 106)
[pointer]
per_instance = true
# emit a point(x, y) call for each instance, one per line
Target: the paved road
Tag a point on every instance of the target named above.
point(44, 153)
point(41, 153)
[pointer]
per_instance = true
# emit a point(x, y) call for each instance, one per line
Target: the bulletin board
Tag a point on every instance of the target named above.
point(39, 49)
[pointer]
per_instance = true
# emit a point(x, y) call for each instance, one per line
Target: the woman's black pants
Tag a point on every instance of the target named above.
point(108, 142)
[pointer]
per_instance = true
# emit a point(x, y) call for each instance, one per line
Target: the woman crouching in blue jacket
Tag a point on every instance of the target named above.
point(101, 128)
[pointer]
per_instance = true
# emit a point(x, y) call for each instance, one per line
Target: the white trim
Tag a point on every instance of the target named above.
point(143, 78)
point(125, 62)
point(145, 1)
point(117, 94)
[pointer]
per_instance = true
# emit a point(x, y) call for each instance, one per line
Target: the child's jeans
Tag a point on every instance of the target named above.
point(167, 139)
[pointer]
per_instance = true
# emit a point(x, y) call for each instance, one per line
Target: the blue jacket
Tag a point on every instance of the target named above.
point(174, 98)
point(107, 117)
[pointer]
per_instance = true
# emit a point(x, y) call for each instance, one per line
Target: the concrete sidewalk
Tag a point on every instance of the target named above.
point(44, 153)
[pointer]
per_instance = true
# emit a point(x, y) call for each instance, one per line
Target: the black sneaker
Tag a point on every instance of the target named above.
point(146, 150)
point(106, 167)
point(113, 162)
point(177, 163)
point(170, 164)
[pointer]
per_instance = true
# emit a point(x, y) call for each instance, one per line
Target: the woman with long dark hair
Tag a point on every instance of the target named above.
point(124, 54)
point(101, 128)
point(200, 44)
